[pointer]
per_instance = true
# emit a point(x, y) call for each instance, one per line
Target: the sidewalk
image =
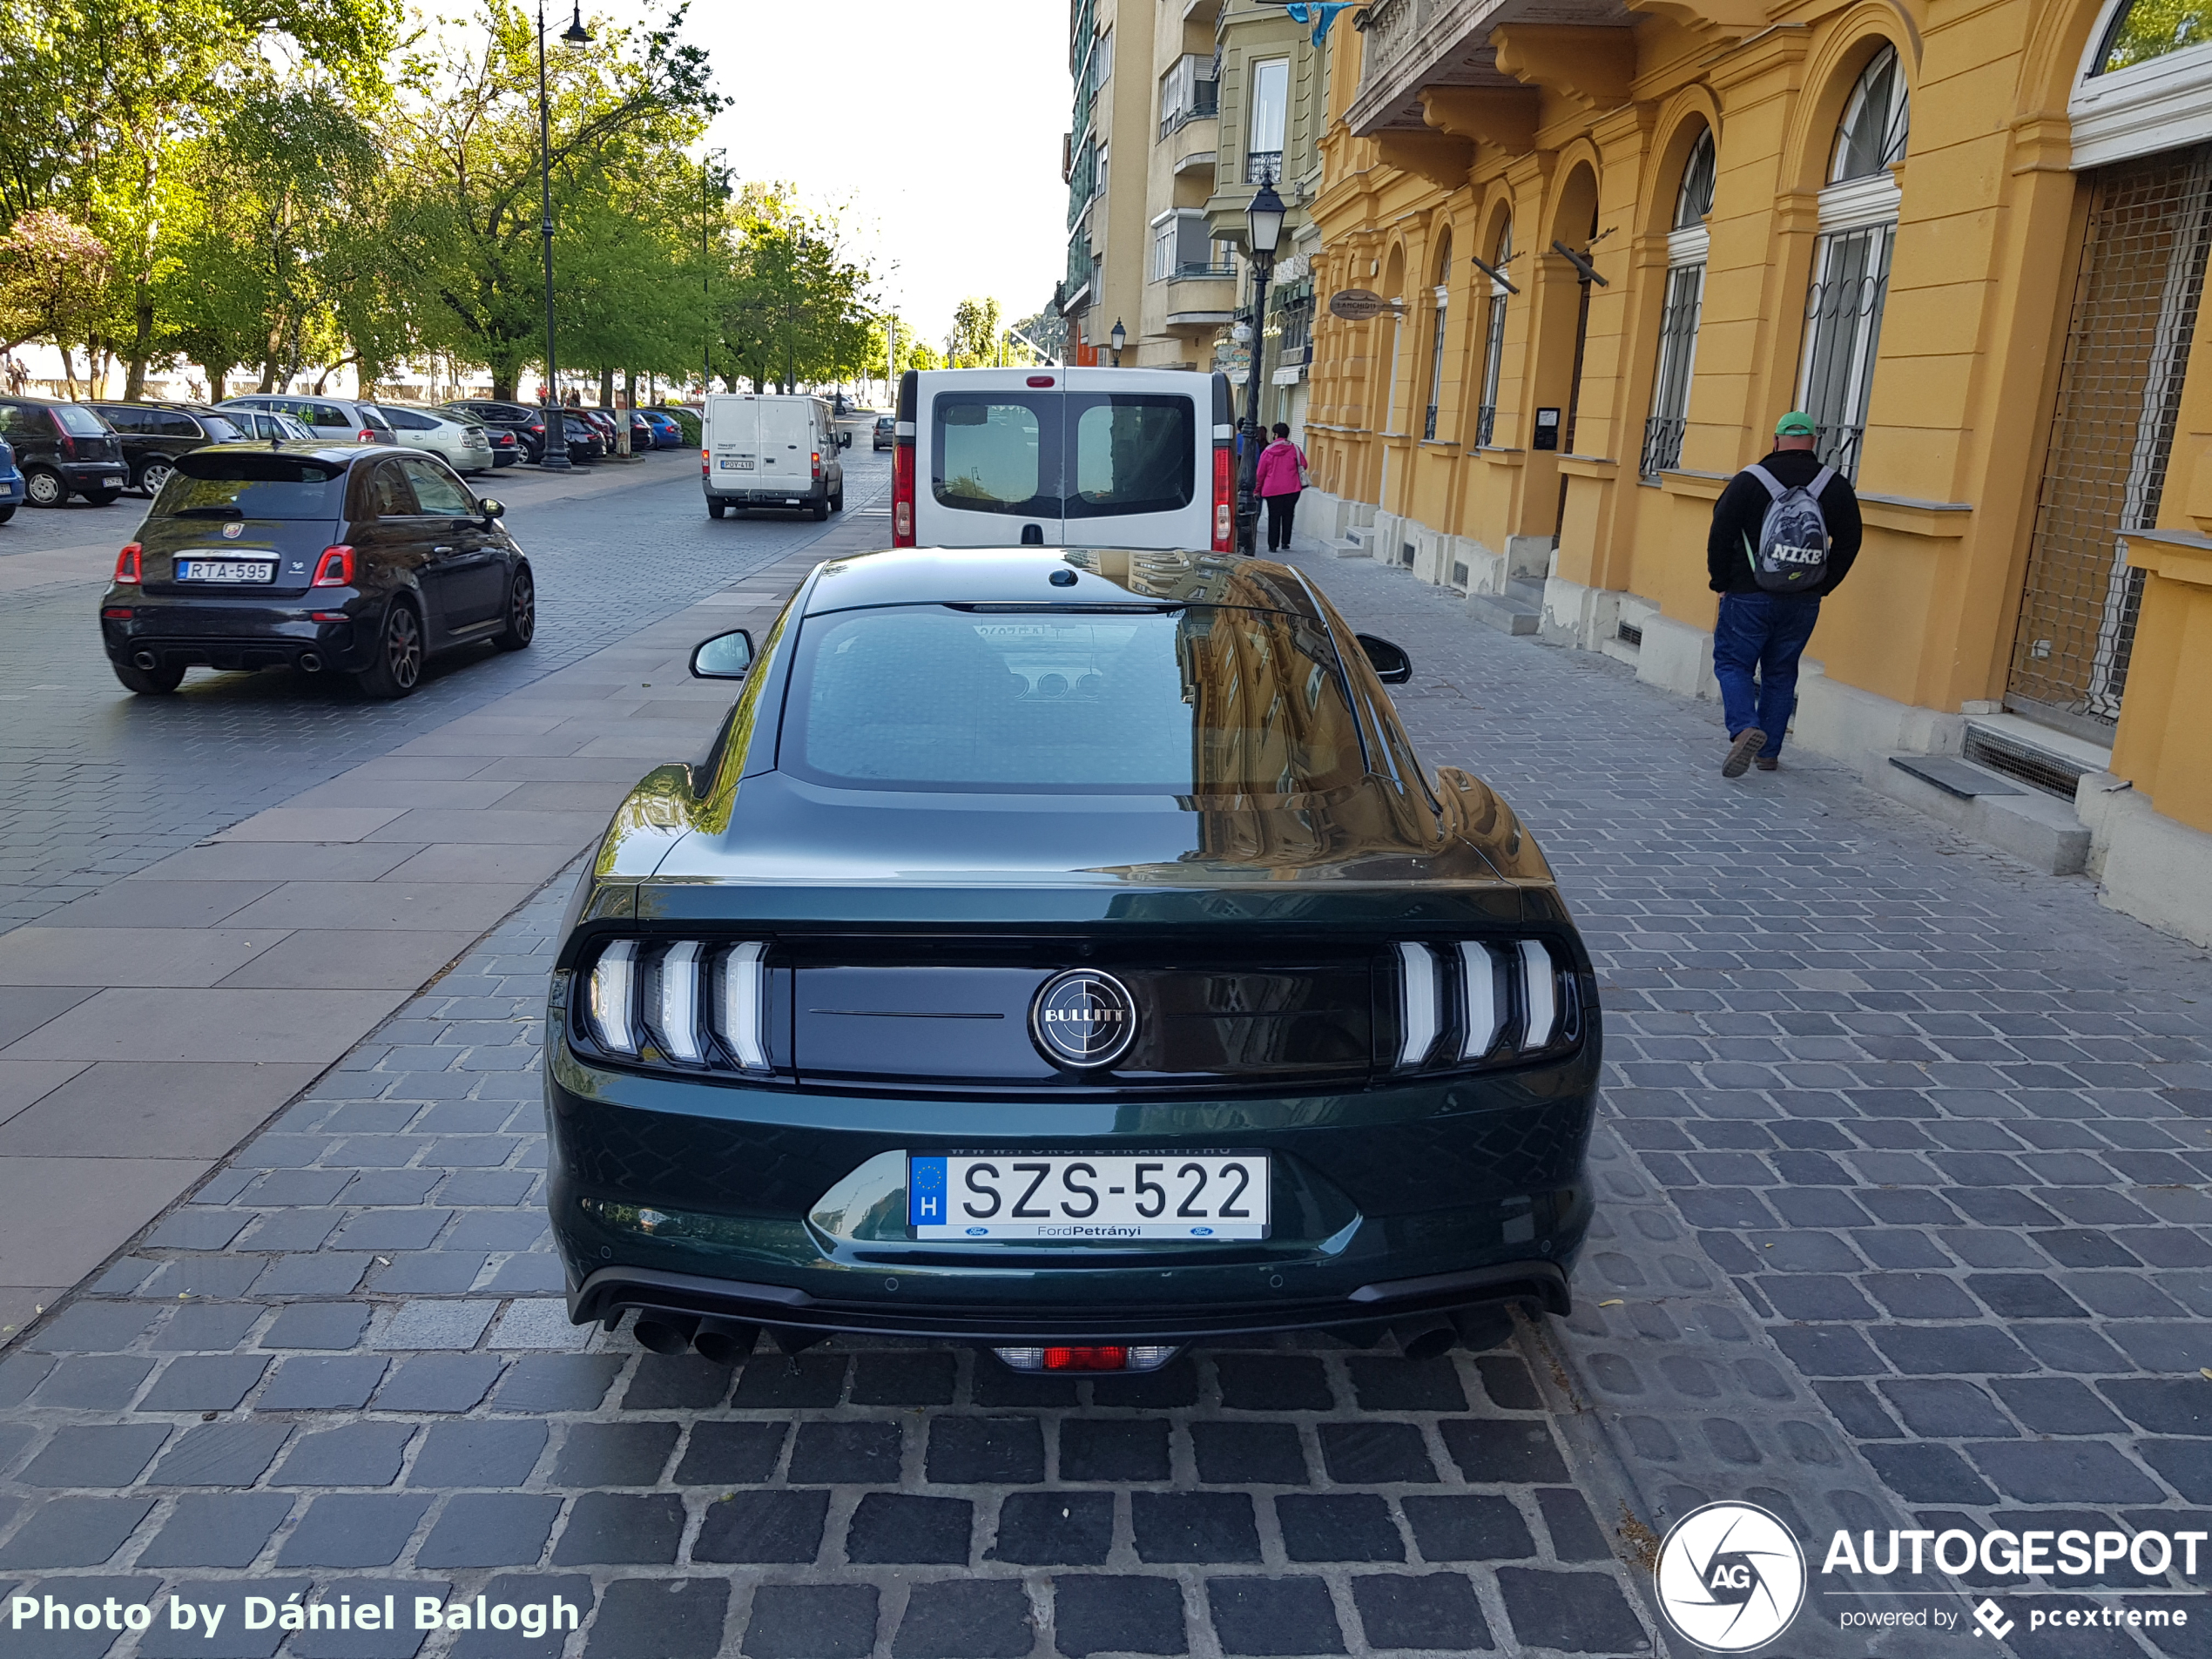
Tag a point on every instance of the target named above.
point(165, 1017)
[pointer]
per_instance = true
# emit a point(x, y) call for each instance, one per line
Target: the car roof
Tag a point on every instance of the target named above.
point(341, 454)
point(1020, 575)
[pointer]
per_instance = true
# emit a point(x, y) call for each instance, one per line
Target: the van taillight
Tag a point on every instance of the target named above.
point(127, 563)
point(705, 457)
point(902, 493)
point(1225, 499)
point(336, 568)
point(818, 463)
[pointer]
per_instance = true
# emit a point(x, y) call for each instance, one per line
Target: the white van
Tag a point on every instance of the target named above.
point(1064, 457)
point(767, 450)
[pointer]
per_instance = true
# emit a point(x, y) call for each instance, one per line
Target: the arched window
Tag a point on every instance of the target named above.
point(1870, 139)
point(1493, 341)
point(2142, 30)
point(1851, 262)
point(1686, 250)
point(1436, 349)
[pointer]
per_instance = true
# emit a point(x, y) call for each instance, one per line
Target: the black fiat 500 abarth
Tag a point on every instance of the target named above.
point(337, 558)
point(1064, 951)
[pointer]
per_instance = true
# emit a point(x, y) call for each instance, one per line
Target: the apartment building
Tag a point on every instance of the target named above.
point(1215, 95)
point(1970, 236)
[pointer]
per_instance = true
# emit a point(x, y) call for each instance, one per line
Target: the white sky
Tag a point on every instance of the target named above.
point(936, 125)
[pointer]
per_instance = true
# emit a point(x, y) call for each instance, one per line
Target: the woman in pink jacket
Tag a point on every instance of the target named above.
point(1282, 471)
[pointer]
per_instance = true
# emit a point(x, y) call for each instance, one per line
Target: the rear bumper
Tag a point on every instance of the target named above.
point(813, 492)
point(609, 1291)
point(232, 638)
point(93, 475)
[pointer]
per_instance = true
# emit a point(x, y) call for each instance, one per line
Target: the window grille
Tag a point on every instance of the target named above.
point(1437, 321)
point(2133, 315)
point(1494, 348)
point(1663, 430)
point(1843, 329)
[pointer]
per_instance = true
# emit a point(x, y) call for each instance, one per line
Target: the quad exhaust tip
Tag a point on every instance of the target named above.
point(665, 1332)
point(724, 1341)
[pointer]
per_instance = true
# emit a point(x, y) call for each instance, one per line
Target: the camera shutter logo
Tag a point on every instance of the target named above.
point(1083, 1019)
point(1730, 1578)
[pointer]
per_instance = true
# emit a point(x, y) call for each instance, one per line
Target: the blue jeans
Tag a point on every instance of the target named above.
point(1755, 647)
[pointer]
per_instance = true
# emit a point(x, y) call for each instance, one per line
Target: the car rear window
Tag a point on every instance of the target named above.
point(243, 484)
point(220, 430)
point(1197, 701)
point(1063, 455)
point(79, 423)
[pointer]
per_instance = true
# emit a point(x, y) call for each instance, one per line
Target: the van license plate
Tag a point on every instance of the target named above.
point(735, 464)
point(1193, 1199)
point(225, 570)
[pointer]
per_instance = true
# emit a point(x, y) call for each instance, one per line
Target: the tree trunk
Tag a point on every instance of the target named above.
point(502, 385)
point(134, 384)
point(606, 388)
point(216, 391)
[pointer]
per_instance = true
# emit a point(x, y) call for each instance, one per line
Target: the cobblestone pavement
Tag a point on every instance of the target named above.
point(1899, 1178)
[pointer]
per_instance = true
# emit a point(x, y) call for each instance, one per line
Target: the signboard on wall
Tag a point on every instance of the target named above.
point(1358, 305)
point(1546, 430)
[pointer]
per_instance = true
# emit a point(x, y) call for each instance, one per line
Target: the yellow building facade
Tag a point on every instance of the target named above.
point(1970, 236)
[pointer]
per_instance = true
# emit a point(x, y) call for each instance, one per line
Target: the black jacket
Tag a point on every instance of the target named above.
point(1742, 508)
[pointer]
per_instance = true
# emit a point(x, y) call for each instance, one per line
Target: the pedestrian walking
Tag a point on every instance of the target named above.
point(1281, 476)
point(1784, 534)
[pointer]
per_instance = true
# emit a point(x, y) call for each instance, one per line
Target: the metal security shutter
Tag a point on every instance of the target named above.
point(2120, 391)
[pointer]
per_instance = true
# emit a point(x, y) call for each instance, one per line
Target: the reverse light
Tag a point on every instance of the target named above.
point(128, 563)
point(1091, 1357)
point(902, 493)
point(335, 568)
point(1225, 499)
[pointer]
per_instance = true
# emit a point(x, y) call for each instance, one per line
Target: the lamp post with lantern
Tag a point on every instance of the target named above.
point(1263, 220)
point(555, 456)
point(1118, 339)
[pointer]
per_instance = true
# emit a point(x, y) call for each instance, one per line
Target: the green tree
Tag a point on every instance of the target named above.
point(974, 342)
point(465, 225)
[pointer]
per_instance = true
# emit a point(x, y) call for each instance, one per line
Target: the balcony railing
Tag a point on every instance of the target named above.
point(1201, 272)
point(1661, 444)
point(1405, 44)
point(1263, 167)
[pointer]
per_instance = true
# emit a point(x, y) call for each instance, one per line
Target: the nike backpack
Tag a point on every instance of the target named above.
point(1792, 554)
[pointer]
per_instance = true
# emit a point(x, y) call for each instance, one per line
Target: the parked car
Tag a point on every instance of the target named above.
point(267, 425)
point(584, 440)
point(527, 424)
point(771, 451)
point(886, 430)
point(65, 449)
point(154, 434)
point(328, 558)
point(344, 419)
point(506, 447)
point(459, 442)
point(10, 483)
point(1063, 457)
point(641, 432)
point(668, 431)
point(1278, 1035)
point(601, 421)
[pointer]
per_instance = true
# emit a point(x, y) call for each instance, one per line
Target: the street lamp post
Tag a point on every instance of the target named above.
point(706, 266)
point(1265, 222)
point(1119, 338)
point(555, 456)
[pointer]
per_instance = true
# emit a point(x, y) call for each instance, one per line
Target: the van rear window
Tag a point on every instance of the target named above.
point(1072, 455)
point(246, 484)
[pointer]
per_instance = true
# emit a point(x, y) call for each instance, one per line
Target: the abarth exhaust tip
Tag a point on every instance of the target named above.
point(665, 1332)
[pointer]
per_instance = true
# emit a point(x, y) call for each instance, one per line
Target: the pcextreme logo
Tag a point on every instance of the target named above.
point(1730, 1578)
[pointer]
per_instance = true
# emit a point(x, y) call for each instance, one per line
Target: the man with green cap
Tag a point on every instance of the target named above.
point(1787, 508)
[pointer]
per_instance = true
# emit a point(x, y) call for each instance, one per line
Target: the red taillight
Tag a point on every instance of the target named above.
point(902, 495)
point(705, 455)
point(1040, 380)
point(329, 616)
point(368, 435)
point(818, 463)
point(127, 565)
point(116, 613)
point(336, 568)
point(68, 444)
point(1225, 499)
point(1086, 1359)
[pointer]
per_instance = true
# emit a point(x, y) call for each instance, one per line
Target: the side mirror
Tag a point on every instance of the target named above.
point(725, 656)
point(1391, 665)
point(491, 509)
point(845, 440)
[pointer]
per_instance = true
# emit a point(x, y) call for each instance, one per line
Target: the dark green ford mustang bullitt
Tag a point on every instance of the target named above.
point(1065, 952)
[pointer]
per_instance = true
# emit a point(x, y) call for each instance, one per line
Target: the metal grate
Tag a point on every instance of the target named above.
point(2035, 767)
point(2120, 391)
point(1844, 329)
point(1628, 633)
point(1662, 433)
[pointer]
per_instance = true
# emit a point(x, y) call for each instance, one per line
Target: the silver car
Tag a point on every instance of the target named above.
point(341, 419)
